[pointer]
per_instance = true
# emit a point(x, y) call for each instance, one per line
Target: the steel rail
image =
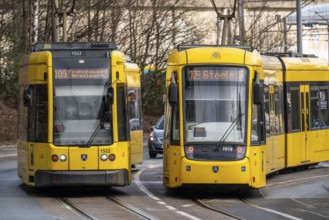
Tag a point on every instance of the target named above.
point(130, 208)
point(69, 205)
point(202, 204)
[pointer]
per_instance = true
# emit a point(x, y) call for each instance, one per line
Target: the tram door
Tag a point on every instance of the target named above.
point(305, 122)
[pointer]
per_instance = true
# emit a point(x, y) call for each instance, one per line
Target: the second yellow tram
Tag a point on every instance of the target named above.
point(233, 116)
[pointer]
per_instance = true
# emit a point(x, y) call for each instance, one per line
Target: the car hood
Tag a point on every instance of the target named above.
point(158, 133)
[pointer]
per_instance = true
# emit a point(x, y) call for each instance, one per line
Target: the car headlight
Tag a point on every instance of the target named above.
point(152, 137)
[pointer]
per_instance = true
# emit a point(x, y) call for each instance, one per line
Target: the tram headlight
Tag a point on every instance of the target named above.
point(63, 158)
point(112, 157)
point(54, 157)
point(104, 157)
point(240, 152)
point(189, 152)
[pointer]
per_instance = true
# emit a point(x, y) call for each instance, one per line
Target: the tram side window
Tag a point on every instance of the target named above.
point(41, 113)
point(293, 108)
point(278, 98)
point(38, 114)
point(282, 118)
point(267, 109)
point(254, 129)
point(175, 125)
point(319, 107)
point(121, 110)
point(23, 116)
point(134, 105)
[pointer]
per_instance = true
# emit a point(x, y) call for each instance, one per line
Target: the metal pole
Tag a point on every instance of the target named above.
point(241, 22)
point(229, 30)
point(299, 27)
point(35, 4)
point(285, 41)
point(64, 26)
point(224, 30)
point(55, 19)
point(174, 26)
point(218, 30)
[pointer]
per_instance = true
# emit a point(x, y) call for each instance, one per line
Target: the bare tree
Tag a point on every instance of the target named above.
point(147, 30)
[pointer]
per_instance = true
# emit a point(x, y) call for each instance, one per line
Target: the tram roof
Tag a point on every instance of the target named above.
point(305, 63)
point(185, 47)
point(74, 46)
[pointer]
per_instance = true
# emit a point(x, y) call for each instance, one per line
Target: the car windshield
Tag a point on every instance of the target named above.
point(79, 107)
point(215, 97)
point(160, 124)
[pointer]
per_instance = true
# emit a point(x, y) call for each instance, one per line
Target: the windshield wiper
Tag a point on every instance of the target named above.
point(107, 113)
point(228, 131)
point(192, 126)
point(99, 126)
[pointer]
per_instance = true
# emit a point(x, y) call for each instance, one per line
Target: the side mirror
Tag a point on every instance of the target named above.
point(173, 92)
point(258, 94)
point(27, 97)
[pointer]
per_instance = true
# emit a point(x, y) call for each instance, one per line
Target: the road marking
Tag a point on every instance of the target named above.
point(302, 203)
point(273, 211)
point(314, 213)
point(141, 186)
point(149, 194)
point(151, 166)
point(170, 207)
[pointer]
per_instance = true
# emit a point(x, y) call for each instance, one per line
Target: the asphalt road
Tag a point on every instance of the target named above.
point(302, 194)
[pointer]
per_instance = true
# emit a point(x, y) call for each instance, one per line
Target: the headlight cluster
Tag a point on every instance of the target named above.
point(55, 157)
point(152, 137)
point(240, 152)
point(189, 152)
point(63, 157)
point(214, 152)
point(105, 157)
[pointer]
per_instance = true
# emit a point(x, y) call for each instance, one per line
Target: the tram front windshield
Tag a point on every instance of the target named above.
point(80, 107)
point(215, 104)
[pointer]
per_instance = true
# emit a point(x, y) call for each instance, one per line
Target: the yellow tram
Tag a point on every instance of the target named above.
point(73, 124)
point(233, 116)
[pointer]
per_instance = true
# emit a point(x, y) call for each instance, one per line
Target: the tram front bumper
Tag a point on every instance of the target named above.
point(88, 178)
point(228, 173)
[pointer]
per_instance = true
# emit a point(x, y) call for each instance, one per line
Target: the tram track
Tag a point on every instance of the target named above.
point(130, 208)
point(201, 203)
point(115, 208)
point(253, 208)
point(70, 205)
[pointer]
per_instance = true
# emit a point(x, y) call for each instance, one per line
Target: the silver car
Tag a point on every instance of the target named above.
point(156, 138)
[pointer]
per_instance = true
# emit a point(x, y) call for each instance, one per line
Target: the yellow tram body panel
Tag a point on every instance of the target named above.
point(42, 163)
point(180, 171)
point(308, 145)
point(275, 140)
point(137, 151)
point(37, 157)
point(202, 173)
